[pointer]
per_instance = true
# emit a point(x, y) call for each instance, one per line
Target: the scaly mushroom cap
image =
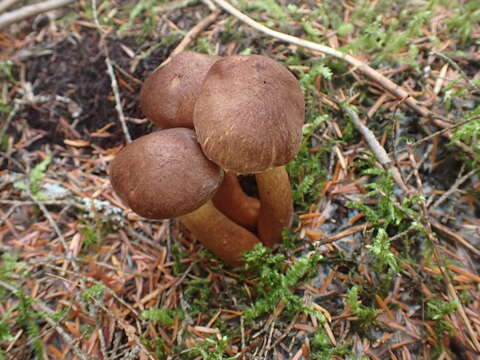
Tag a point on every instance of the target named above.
point(249, 114)
point(168, 95)
point(164, 174)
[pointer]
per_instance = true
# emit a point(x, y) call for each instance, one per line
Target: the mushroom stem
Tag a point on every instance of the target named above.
point(219, 234)
point(235, 204)
point(276, 204)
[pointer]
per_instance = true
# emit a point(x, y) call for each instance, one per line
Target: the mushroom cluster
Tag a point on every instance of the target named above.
point(220, 117)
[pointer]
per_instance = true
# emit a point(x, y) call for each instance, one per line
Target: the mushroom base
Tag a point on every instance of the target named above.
point(231, 200)
point(276, 209)
point(219, 234)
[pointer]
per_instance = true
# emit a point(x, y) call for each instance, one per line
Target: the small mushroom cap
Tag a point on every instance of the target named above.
point(168, 95)
point(249, 114)
point(164, 174)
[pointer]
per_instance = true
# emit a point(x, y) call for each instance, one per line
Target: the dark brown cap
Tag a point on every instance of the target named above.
point(164, 174)
point(249, 114)
point(168, 95)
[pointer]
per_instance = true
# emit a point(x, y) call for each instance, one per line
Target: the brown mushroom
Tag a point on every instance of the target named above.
point(164, 175)
point(168, 95)
point(167, 99)
point(248, 118)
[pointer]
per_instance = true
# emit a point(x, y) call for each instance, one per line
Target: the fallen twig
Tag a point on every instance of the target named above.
point(192, 34)
point(31, 10)
point(458, 68)
point(116, 94)
point(57, 231)
point(5, 4)
point(64, 334)
point(445, 131)
point(42, 308)
point(328, 239)
point(429, 224)
point(454, 188)
point(445, 231)
point(113, 80)
point(377, 149)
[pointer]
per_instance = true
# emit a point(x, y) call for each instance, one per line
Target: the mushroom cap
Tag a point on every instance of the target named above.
point(168, 95)
point(164, 174)
point(249, 114)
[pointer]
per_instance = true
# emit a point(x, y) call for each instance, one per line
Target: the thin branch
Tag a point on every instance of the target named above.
point(7, 214)
point(31, 10)
point(441, 132)
point(116, 94)
point(366, 70)
point(113, 80)
point(457, 67)
point(446, 232)
point(128, 329)
point(56, 229)
point(192, 34)
point(197, 29)
point(5, 4)
point(41, 307)
point(454, 188)
point(87, 278)
point(209, 4)
point(377, 149)
point(60, 330)
point(429, 225)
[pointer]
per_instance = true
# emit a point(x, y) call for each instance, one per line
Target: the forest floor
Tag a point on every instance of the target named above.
point(382, 261)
